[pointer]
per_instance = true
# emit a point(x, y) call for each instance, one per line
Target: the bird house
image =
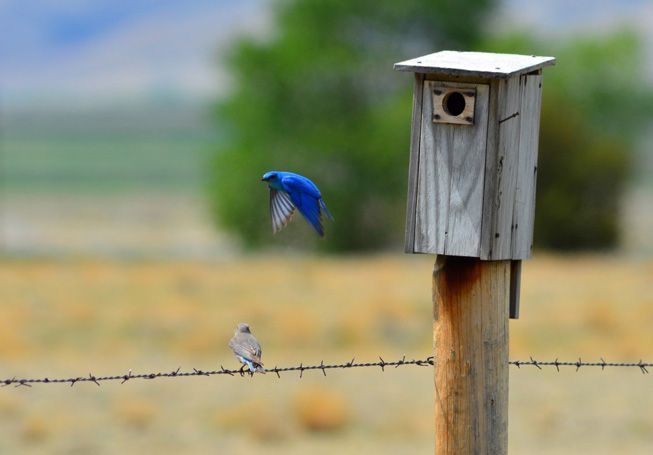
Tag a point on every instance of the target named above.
point(473, 154)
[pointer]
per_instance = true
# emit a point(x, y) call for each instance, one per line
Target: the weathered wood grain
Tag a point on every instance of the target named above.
point(502, 162)
point(524, 203)
point(466, 158)
point(432, 205)
point(484, 64)
point(409, 243)
point(450, 188)
point(491, 177)
point(471, 352)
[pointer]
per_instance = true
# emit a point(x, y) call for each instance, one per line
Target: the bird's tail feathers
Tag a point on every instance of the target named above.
point(327, 212)
point(255, 367)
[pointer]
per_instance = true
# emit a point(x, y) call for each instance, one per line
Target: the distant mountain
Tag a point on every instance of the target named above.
point(105, 49)
point(118, 51)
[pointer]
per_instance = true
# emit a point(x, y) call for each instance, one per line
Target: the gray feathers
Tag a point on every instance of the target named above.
point(247, 348)
point(281, 209)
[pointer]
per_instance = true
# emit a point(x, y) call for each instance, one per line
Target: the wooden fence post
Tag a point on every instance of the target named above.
point(470, 332)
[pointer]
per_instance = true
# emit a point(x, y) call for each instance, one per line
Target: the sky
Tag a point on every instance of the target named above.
point(588, 15)
point(53, 50)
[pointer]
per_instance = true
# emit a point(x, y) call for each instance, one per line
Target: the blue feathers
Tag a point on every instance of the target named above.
point(250, 366)
point(289, 191)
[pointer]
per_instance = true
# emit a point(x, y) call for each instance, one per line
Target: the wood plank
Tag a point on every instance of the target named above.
point(483, 64)
point(524, 204)
point(499, 204)
point(490, 178)
point(443, 149)
point(471, 352)
point(466, 161)
point(432, 193)
point(409, 244)
point(450, 178)
point(456, 78)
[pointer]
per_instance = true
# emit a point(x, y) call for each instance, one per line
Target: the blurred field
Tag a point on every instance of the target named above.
point(105, 150)
point(75, 316)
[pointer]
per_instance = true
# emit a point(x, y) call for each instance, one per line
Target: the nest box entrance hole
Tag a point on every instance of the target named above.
point(454, 105)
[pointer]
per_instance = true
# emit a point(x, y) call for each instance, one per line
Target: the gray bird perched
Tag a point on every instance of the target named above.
point(247, 349)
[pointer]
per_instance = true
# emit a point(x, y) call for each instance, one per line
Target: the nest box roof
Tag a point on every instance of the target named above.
point(480, 64)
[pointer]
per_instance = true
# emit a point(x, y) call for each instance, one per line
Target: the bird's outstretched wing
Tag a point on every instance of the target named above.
point(306, 197)
point(281, 209)
point(310, 208)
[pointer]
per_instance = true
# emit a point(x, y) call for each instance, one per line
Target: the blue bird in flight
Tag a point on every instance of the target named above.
point(289, 191)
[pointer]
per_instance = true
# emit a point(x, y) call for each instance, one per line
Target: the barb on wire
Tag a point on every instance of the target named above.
point(27, 382)
point(301, 368)
point(580, 363)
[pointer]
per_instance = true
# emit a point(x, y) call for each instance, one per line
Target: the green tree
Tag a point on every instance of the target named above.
point(320, 98)
point(596, 102)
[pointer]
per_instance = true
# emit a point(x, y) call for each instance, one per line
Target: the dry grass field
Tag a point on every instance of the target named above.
point(75, 316)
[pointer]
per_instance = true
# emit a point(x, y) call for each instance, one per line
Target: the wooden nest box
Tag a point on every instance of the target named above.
point(473, 154)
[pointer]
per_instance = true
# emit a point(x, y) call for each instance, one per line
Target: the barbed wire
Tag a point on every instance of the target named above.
point(428, 361)
point(222, 371)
